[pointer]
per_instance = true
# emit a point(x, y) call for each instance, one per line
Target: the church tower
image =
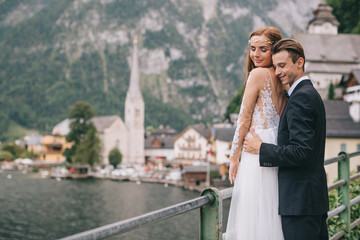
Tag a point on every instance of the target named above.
point(134, 113)
point(324, 22)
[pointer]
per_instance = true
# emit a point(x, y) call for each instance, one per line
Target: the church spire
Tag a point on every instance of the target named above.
point(324, 22)
point(135, 113)
point(134, 88)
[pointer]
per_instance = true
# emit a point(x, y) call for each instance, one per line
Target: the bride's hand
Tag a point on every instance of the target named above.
point(233, 171)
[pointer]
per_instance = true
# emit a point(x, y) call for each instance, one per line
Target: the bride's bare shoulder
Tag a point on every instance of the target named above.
point(261, 72)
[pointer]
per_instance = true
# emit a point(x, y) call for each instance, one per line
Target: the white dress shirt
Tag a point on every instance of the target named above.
point(296, 83)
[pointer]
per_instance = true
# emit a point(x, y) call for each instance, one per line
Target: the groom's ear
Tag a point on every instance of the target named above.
point(300, 63)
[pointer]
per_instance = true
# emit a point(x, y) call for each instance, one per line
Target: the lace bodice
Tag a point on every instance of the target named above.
point(261, 106)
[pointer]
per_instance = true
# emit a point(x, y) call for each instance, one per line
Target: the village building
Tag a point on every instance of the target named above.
point(329, 55)
point(351, 80)
point(159, 147)
point(192, 145)
point(195, 177)
point(110, 129)
point(49, 147)
point(221, 140)
point(135, 114)
point(353, 96)
point(52, 148)
point(113, 132)
point(32, 142)
point(342, 135)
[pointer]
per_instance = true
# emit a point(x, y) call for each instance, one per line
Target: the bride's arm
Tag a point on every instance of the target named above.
point(245, 114)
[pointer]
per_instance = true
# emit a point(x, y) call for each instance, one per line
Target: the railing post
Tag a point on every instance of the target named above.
point(344, 191)
point(211, 216)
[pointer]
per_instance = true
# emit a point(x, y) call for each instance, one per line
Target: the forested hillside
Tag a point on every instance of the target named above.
point(55, 53)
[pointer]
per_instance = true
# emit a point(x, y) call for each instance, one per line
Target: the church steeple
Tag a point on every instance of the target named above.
point(135, 113)
point(134, 88)
point(324, 22)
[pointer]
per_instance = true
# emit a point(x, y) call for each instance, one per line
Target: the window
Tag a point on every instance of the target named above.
point(343, 147)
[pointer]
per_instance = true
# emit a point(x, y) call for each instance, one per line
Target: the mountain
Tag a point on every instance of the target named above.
point(192, 55)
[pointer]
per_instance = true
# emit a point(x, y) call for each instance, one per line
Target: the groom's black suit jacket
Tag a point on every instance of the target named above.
point(300, 154)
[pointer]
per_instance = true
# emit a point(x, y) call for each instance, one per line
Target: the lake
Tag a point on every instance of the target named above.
point(32, 207)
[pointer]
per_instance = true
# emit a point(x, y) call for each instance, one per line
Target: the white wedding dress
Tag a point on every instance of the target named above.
point(254, 205)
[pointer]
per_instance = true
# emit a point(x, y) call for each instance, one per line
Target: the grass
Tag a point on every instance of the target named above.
point(15, 131)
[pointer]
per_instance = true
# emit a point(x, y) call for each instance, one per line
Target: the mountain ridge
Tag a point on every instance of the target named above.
point(192, 55)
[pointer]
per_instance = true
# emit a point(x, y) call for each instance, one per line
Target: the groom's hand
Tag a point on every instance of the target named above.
point(252, 144)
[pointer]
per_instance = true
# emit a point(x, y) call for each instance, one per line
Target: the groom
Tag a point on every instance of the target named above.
point(303, 194)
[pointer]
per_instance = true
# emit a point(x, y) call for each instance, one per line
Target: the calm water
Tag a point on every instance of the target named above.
point(36, 208)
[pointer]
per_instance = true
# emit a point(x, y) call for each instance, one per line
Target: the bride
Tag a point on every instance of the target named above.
point(254, 206)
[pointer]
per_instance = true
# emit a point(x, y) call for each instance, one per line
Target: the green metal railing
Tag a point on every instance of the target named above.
point(210, 204)
point(343, 186)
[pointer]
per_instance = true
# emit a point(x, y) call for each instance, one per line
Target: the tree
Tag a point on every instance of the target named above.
point(235, 103)
point(88, 150)
point(5, 155)
point(14, 149)
point(347, 13)
point(4, 123)
point(331, 93)
point(80, 115)
point(115, 157)
point(69, 152)
point(17, 151)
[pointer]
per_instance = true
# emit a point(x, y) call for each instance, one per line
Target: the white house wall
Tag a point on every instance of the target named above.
point(322, 81)
point(114, 136)
point(222, 148)
point(325, 28)
point(161, 152)
point(181, 146)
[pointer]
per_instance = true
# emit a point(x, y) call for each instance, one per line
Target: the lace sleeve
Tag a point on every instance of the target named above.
point(245, 117)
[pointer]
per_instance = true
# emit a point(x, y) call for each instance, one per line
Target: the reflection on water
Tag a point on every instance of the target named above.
point(35, 208)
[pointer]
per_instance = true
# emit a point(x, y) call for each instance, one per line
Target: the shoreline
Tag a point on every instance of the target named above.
point(136, 180)
point(220, 184)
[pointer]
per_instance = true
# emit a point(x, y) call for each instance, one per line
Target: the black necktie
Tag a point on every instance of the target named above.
point(286, 94)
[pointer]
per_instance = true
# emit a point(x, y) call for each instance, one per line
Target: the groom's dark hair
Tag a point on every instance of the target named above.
point(293, 47)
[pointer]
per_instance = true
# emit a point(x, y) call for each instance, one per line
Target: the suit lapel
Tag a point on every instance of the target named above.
point(303, 83)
